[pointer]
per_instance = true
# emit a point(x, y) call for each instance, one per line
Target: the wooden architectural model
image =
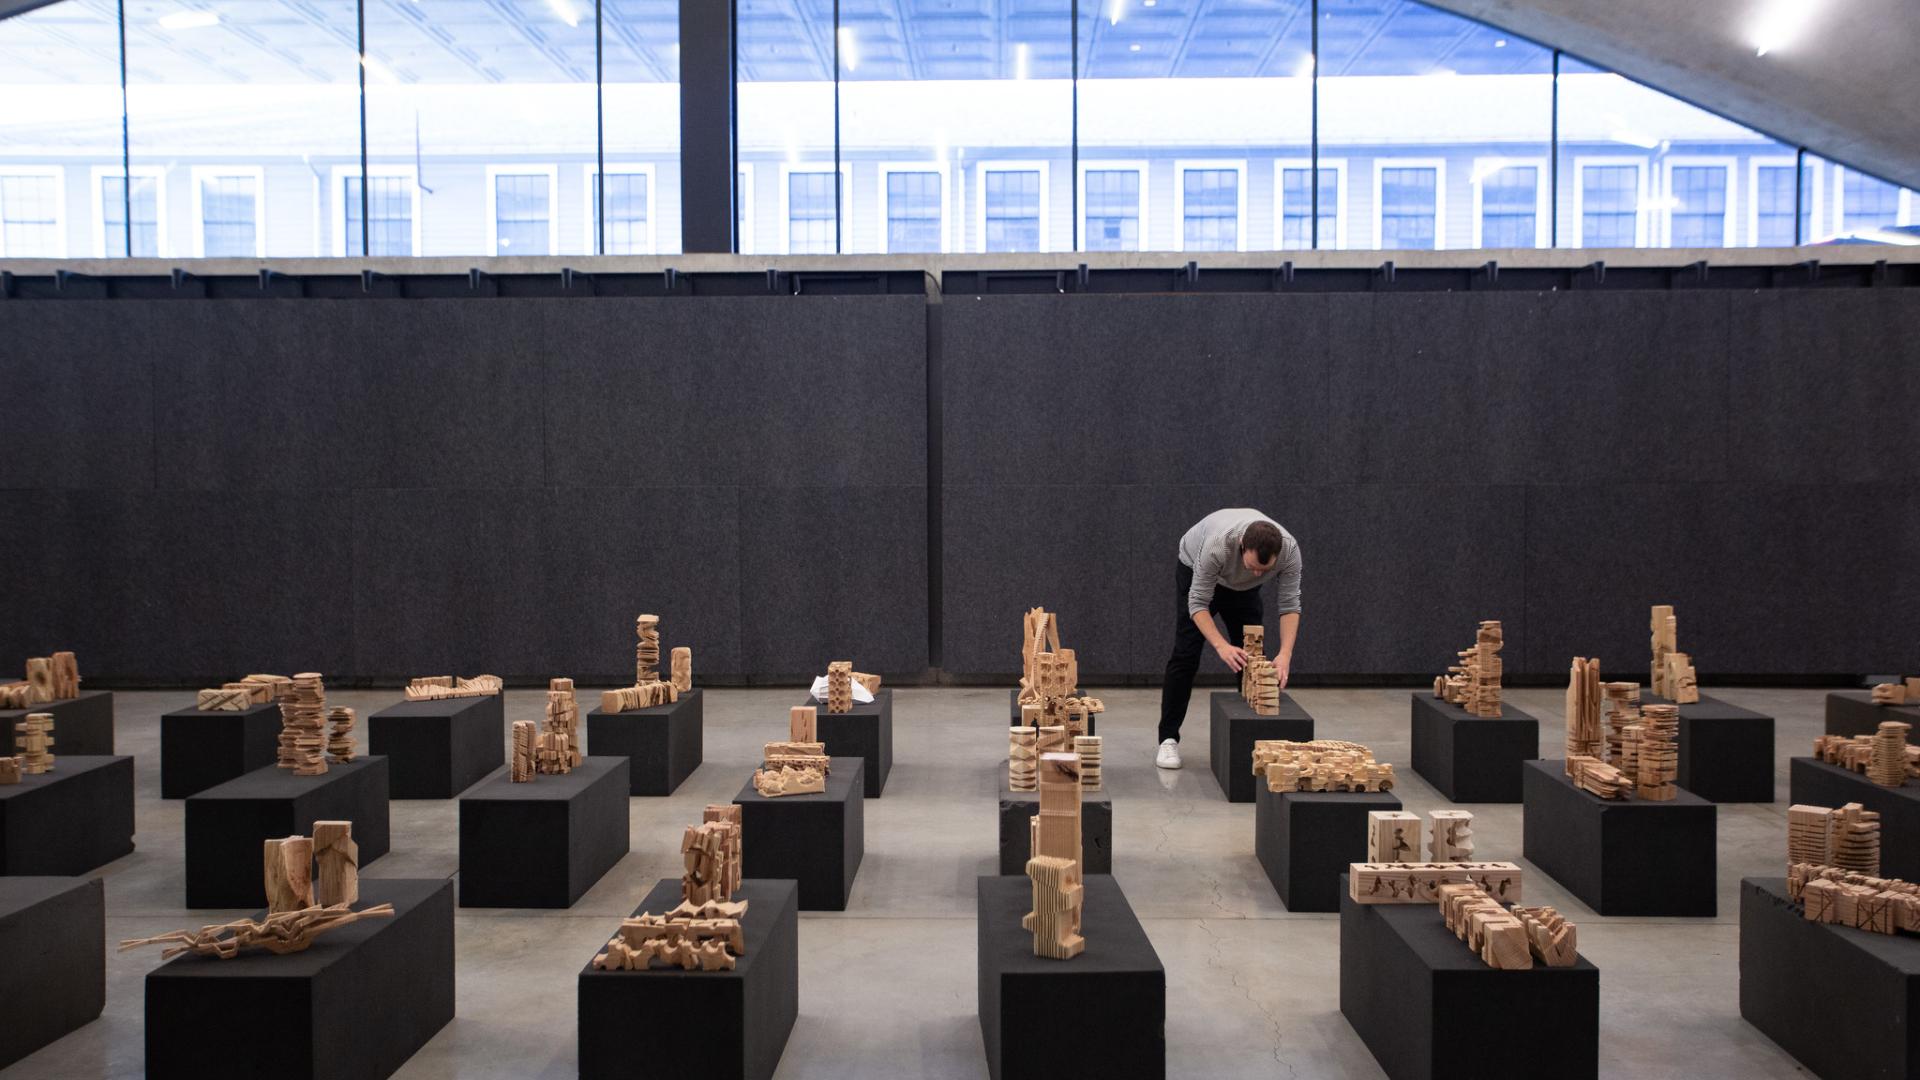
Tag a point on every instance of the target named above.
point(1451, 837)
point(1847, 838)
point(1023, 759)
point(1830, 894)
point(1320, 765)
point(301, 904)
point(1596, 777)
point(1672, 676)
point(434, 687)
point(224, 699)
point(1614, 776)
point(1087, 749)
point(1472, 898)
point(1620, 703)
point(556, 749)
point(1054, 868)
point(1419, 883)
point(1890, 694)
point(649, 689)
point(1474, 682)
point(1260, 679)
point(840, 686)
point(1393, 836)
point(1884, 756)
point(48, 679)
point(798, 766)
point(1583, 710)
point(1050, 677)
point(1492, 932)
point(33, 744)
point(1655, 752)
point(703, 932)
point(340, 722)
point(9, 770)
point(303, 735)
point(521, 760)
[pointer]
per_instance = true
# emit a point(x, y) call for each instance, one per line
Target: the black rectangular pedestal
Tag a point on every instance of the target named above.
point(542, 844)
point(1472, 759)
point(82, 726)
point(53, 933)
point(1620, 857)
point(1429, 1008)
point(1845, 1002)
point(662, 745)
point(70, 820)
point(1122, 1031)
point(1013, 715)
point(1816, 783)
point(1306, 839)
point(1726, 752)
point(227, 824)
point(1016, 841)
point(865, 733)
point(817, 840)
point(736, 1022)
point(1852, 712)
point(355, 1005)
point(200, 748)
point(439, 748)
point(1235, 727)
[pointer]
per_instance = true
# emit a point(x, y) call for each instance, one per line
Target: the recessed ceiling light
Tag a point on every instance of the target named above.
point(189, 20)
point(1134, 47)
point(1149, 3)
point(1781, 22)
point(1500, 43)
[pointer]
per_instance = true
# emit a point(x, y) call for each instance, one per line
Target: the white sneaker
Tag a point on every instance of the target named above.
point(1169, 755)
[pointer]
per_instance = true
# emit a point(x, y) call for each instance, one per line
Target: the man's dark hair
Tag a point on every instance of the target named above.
point(1263, 539)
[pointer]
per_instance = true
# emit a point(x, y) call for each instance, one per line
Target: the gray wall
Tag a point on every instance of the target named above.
point(378, 489)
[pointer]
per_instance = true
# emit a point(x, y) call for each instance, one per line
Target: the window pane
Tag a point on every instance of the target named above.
point(493, 103)
point(1297, 208)
point(1113, 210)
point(1510, 207)
point(1610, 200)
point(1210, 209)
point(1013, 210)
point(1406, 81)
point(146, 216)
point(1866, 208)
point(390, 204)
point(1179, 79)
point(785, 110)
point(1699, 197)
point(626, 202)
point(59, 122)
point(913, 212)
point(642, 73)
point(229, 215)
point(1773, 206)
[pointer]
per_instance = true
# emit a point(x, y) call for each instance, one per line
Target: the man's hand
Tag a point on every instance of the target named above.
point(1235, 657)
point(1281, 666)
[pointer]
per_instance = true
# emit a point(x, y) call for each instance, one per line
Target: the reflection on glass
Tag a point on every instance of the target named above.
point(60, 131)
point(1699, 196)
point(1210, 209)
point(522, 213)
point(1409, 208)
point(145, 203)
point(29, 213)
point(913, 207)
point(1013, 209)
point(1610, 205)
point(1112, 198)
point(785, 108)
point(1510, 207)
point(1867, 203)
point(389, 202)
point(1297, 206)
point(641, 69)
point(227, 211)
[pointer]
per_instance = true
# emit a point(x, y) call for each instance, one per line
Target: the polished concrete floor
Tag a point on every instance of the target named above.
point(887, 988)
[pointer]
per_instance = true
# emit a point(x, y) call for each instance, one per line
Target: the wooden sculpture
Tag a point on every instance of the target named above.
point(1655, 752)
point(288, 866)
point(1884, 756)
point(1583, 711)
point(1474, 682)
point(703, 932)
point(1672, 676)
point(1393, 836)
point(1054, 868)
point(521, 763)
point(285, 932)
point(1598, 778)
point(646, 655)
point(1830, 894)
point(710, 852)
point(798, 766)
point(340, 721)
point(840, 686)
point(1087, 749)
point(33, 743)
point(1417, 883)
point(649, 689)
point(1451, 838)
point(9, 770)
point(1320, 765)
point(1847, 838)
point(1890, 694)
point(1023, 759)
point(303, 736)
point(1050, 677)
point(557, 748)
point(48, 679)
point(1493, 934)
point(225, 699)
point(434, 687)
point(1260, 679)
point(682, 670)
point(1620, 702)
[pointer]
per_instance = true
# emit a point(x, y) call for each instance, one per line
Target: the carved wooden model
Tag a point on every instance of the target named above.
point(1583, 710)
point(1884, 756)
point(1050, 677)
point(1417, 883)
point(1393, 836)
point(1656, 752)
point(1087, 748)
point(1848, 838)
point(1493, 934)
point(798, 766)
point(1451, 838)
point(434, 687)
point(1054, 740)
point(555, 748)
point(710, 852)
point(1831, 895)
point(1023, 759)
point(1054, 868)
point(1620, 702)
point(340, 721)
point(9, 770)
point(277, 687)
point(649, 689)
point(1672, 674)
point(1474, 682)
point(285, 932)
point(303, 734)
point(1890, 694)
point(1596, 777)
point(840, 686)
point(33, 743)
point(646, 655)
point(520, 760)
point(682, 669)
point(1260, 679)
point(288, 868)
point(48, 679)
point(225, 699)
point(1320, 765)
point(704, 937)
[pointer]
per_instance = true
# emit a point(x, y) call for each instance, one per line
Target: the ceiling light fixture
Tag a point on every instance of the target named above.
point(189, 20)
point(1500, 43)
point(849, 49)
point(1020, 55)
point(1780, 23)
point(1115, 9)
point(1135, 47)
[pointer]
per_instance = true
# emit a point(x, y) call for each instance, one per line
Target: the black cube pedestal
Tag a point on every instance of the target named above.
point(865, 733)
point(356, 1004)
point(68, 821)
point(1852, 712)
point(82, 726)
point(1013, 715)
point(1306, 839)
point(1020, 993)
point(1726, 752)
point(817, 840)
point(736, 1022)
point(53, 932)
point(1816, 783)
point(1429, 1008)
point(227, 824)
point(1468, 758)
point(200, 748)
point(1620, 857)
point(1804, 983)
point(439, 748)
point(1016, 841)
point(542, 844)
point(1235, 727)
point(662, 745)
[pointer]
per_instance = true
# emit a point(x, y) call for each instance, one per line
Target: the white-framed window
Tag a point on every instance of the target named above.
point(807, 209)
point(1210, 205)
point(1012, 211)
point(1409, 204)
point(743, 213)
point(229, 212)
point(1863, 203)
point(1510, 202)
point(1698, 210)
point(1293, 221)
point(521, 217)
point(1770, 202)
point(630, 208)
point(393, 210)
point(913, 206)
point(1609, 202)
point(110, 199)
point(1113, 205)
point(33, 211)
